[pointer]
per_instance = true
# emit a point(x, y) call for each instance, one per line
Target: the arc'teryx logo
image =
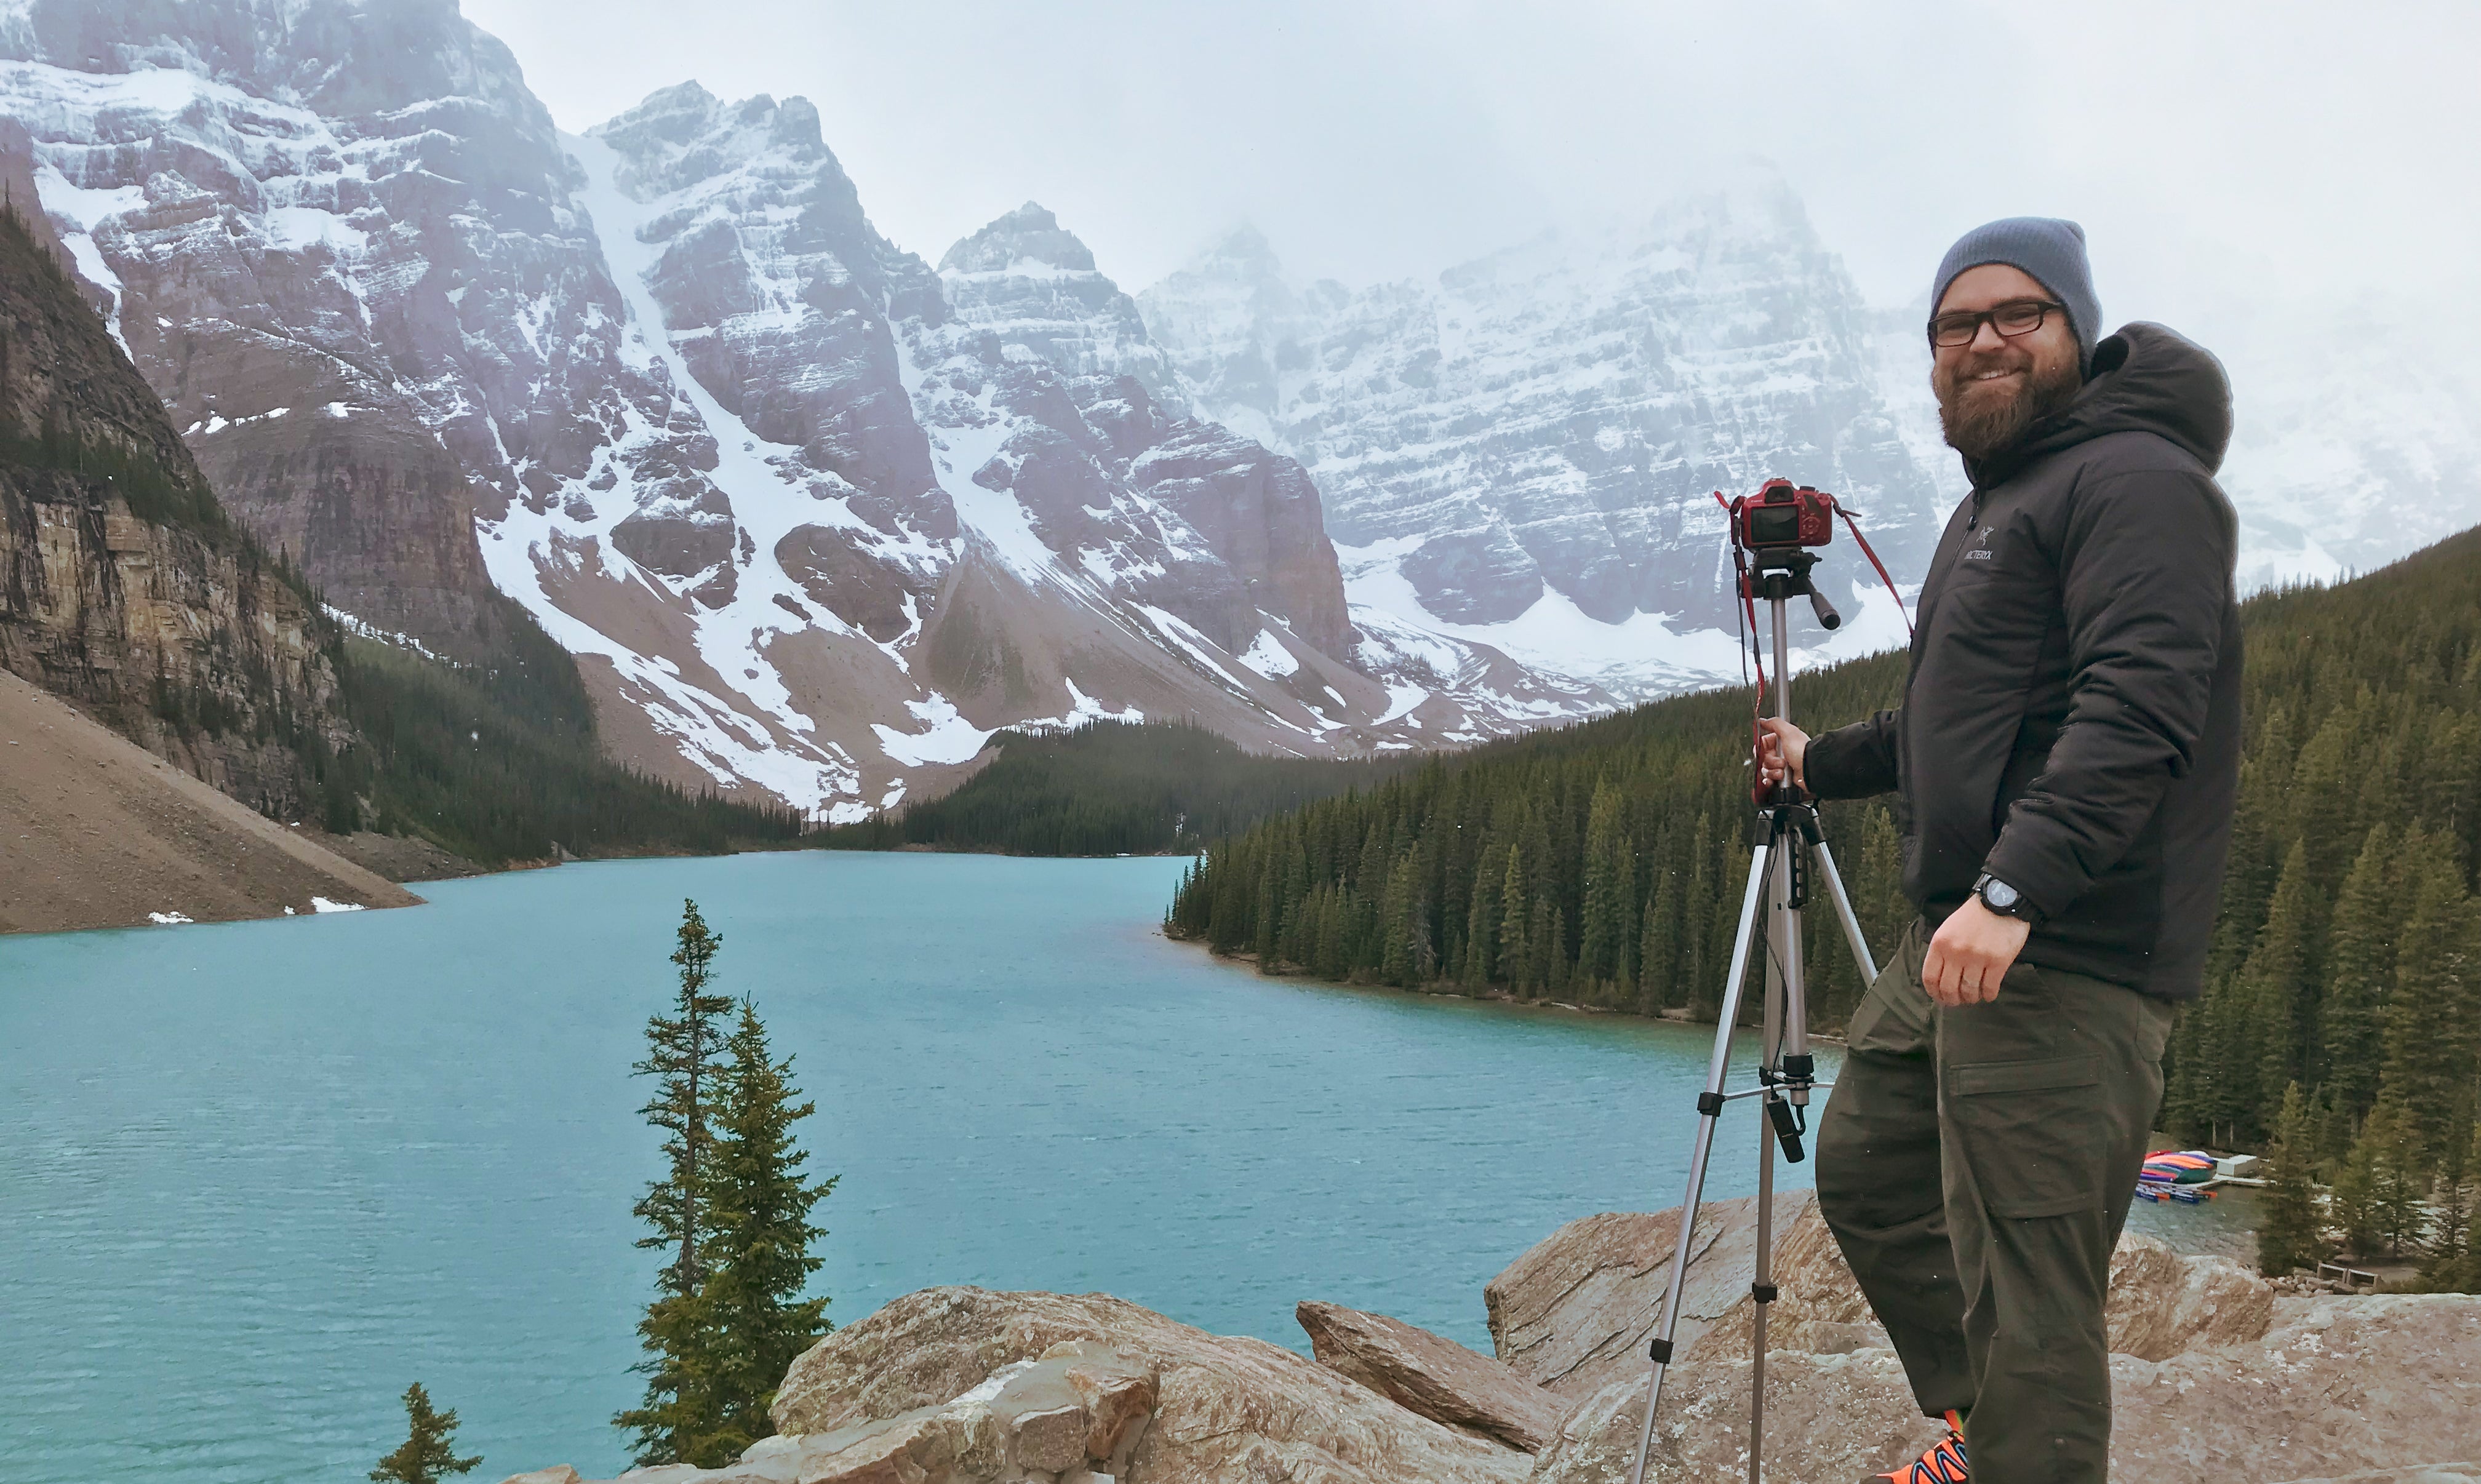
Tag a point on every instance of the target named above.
point(1980, 549)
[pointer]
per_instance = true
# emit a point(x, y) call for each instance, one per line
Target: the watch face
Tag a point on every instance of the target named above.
point(1999, 894)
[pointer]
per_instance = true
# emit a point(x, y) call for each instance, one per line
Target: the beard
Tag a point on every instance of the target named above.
point(1981, 418)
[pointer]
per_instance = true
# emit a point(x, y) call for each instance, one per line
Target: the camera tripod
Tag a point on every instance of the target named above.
point(1785, 837)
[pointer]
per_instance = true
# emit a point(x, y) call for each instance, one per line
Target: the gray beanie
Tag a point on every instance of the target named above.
point(2051, 250)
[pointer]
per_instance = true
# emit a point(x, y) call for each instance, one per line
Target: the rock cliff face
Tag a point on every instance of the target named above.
point(333, 238)
point(1523, 449)
point(121, 585)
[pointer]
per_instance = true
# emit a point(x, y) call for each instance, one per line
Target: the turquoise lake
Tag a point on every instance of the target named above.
point(260, 1176)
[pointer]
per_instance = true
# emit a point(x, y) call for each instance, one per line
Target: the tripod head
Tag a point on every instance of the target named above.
point(1780, 575)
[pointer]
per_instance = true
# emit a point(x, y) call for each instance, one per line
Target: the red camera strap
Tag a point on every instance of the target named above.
point(1748, 614)
point(1862, 543)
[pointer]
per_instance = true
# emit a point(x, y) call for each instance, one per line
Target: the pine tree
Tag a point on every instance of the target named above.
point(1607, 933)
point(759, 1258)
point(2378, 1191)
point(1515, 934)
point(2275, 983)
point(429, 1452)
point(1698, 974)
point(2429, 1033)
point(676, 1332)
point(2290, 1232)
point(2359, 970)
point(1481, 926)
point(2446, 1254)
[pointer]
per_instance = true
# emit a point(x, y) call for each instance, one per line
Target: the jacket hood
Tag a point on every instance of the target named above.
point(2146, 378)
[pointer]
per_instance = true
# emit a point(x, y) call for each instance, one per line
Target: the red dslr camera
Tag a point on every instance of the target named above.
point(1783, 516)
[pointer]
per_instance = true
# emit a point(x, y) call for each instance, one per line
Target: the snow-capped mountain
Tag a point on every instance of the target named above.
point(811, 516)
point(1524, 451)
point(1520, 451)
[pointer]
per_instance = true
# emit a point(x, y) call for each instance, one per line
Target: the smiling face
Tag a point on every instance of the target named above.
point(1991, 390)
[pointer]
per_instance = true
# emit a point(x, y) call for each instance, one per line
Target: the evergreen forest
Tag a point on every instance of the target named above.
point(504, 765)
point(1603, 865)
point(1112, 788)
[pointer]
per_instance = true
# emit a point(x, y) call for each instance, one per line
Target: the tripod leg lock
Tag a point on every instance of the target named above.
point(1659, 1351)
point(1711, 1104)
point(1763, 1293)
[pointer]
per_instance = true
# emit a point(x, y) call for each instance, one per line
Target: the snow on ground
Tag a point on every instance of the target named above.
point(1639, 659)
point(1267, 656)
point(372, 631)
point(946, 738)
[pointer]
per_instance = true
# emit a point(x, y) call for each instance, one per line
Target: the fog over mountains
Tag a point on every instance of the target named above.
point(817, 517)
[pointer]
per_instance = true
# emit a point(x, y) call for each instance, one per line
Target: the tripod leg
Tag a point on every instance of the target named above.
point(1710, 1108)
point(1844, 915)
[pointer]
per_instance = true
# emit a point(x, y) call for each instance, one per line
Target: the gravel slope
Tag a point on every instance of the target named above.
point(98, 832)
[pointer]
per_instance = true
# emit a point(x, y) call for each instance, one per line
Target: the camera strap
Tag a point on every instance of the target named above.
point(1862, 541)
point(1747, 616)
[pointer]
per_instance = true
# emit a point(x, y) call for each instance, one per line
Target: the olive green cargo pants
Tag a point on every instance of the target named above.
point(1976, 1165)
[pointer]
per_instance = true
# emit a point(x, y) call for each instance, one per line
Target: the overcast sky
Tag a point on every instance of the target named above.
point(2228, 161)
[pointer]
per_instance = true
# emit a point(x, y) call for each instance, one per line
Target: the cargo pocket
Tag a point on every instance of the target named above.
point(2033, 1132)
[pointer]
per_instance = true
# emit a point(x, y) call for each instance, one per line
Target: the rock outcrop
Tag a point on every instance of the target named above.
point(1575, 1311)
point(1431, 1375)
point(1221, 1408)
point(2214, 1376)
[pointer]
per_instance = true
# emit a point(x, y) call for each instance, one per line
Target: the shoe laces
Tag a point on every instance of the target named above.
point(1943, 1464)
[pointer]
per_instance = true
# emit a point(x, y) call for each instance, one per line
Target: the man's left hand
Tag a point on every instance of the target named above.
point(1970, 954)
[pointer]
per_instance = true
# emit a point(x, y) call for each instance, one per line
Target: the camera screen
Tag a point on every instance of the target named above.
point(1774, 524)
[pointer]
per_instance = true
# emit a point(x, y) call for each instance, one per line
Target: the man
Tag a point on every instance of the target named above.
point(2065, 759)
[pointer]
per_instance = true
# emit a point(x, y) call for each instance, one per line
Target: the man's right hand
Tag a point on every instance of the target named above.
point(1781, 745)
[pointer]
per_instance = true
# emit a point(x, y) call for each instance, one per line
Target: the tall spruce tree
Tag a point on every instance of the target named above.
point(2275, 982)
point(2429, 1031)
point(1515, 933)
point(2446, 1254)
point(679, 1412)
point(2360, 974)
point(759, 1258)
point(429, 1452)
point(1606, 932)
point(2290, 1233)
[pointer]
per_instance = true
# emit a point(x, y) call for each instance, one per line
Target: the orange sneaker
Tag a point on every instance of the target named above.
point(1943, 1464)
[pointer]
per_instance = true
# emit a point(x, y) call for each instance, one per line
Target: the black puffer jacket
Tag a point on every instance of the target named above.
point(2071, 719)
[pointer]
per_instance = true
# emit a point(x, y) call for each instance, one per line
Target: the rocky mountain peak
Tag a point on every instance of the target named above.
point(1029, 234)
point(679, 137)
point(1029, 288)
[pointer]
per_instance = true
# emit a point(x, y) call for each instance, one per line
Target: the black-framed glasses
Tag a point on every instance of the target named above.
point(2014, 318)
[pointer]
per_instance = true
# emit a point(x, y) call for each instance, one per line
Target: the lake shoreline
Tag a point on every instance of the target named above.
point(1500, 998)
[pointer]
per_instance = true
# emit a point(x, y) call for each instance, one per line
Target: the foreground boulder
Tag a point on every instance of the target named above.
point(2213, 1376)
point(1575, 1311)
point(1213, 1408)
point(1432, 1375)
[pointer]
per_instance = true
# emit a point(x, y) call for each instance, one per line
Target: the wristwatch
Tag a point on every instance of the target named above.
point(2004, 900)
